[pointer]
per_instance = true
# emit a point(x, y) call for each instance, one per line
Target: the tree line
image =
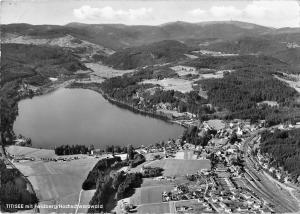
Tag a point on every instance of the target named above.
point(284, 149)
point(72, 150)
point(13, 190)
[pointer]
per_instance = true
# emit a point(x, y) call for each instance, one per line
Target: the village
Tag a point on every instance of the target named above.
point(227, 186)
point(211, 178)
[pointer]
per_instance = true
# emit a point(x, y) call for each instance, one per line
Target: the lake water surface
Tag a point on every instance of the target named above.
point(81, 116)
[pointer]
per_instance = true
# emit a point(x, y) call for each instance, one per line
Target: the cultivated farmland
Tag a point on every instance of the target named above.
point(172, 84)
point(154, 208)
point(177, 167)
point(57, 182)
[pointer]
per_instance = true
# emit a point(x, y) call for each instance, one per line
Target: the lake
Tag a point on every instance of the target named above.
point(81, 116)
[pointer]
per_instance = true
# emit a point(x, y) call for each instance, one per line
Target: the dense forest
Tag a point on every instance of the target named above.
point(111, 188)
point(248, 45)
point(13, 190)
point(126, 87)
point(155, 53)
point(237, 94)
point(240, 92)
point(284, 149)
point(197, 136)
point(36, 63)
point(101, 168)
point(251, 82)
point(33, 65)
point(106, 165)
point(71, 150)
point(260, 62)
point(108, 181)
point(260, 45)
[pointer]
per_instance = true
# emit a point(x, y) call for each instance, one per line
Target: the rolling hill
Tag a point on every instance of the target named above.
point(247, 45)
point(155, 53)
point(116, 36)
point(224, 36)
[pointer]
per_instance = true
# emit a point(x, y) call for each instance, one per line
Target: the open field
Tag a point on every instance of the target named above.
point(216, 124)
point(101, 72)
point(269, 103)
point(30, 152)
point(294, 84)
point(22, 151)
point(149, 198)
point(91, 79)
point(65, 41)
point(105, 71)
point(191, 56)
point(172, 112)
point(149, 194)
point(153, 194)
point(175, 167)
point(184, 70)
point(194, 204)
point(186, 155)
point(172, 84)
point(154, 208)
point(58, 182)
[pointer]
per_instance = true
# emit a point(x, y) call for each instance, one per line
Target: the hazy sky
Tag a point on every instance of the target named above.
point(283, 13)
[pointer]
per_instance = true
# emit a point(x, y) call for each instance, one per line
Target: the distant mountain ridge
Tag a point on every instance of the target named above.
point(222, 36)
point(117, 36)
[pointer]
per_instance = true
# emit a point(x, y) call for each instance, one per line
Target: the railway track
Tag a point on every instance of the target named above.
point(261, 185)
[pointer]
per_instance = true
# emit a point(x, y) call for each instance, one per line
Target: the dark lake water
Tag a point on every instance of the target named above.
point(80, 116)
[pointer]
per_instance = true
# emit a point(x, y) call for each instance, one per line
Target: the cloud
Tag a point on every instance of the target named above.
point(225, 12)
point(255, 11)
point(87, 12)
point(276, 13)
point(197, 12)
point(276, 10)
point(283, 13)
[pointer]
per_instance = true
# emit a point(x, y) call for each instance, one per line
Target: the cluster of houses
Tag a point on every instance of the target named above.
point(180, 192)
point(60, 159)
point(224, 188)
point(172, 112)
point(217, 194)
point(27, 90)
point(264, 162)
point(226, 191)
point(22, 141)
point(22, 158)
point(292, 45)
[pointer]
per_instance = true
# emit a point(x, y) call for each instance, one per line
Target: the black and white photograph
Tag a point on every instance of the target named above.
point(150, 106)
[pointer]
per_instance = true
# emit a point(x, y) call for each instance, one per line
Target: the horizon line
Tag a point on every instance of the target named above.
point(165, 23)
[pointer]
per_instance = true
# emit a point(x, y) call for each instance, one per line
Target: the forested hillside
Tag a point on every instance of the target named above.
point(251, 82)
point(13, 190)
point(284, 149)
point(290, 56)
point(248, 45)
point(36, 63)
point(33, 65)
point(118, 36)
point(237, 93)
point(280, 48)
point(155, 53)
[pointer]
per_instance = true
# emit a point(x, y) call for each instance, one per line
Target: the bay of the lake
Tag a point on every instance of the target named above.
point(81, 116)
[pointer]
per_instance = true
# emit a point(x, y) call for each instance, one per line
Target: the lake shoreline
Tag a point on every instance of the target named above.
point(68, 85)
point(72, 84)
point(124, 105)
